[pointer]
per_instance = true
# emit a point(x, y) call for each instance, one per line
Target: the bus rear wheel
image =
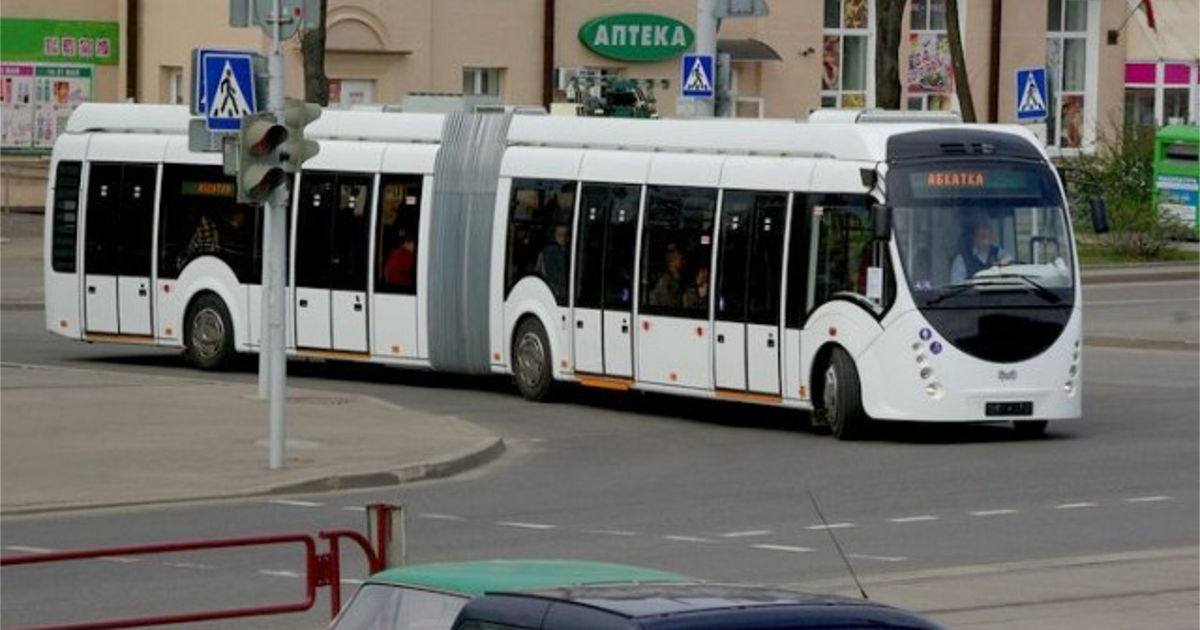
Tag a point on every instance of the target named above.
point(841, 399)
point(1030, 429)
point(532, 361)
point(208, 342)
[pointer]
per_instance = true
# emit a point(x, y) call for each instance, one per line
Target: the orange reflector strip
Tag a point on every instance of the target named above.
point(604, 382)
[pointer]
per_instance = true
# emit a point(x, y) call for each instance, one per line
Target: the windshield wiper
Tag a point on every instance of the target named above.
point(1041, 291)
point(990, 280)
point(951, 291)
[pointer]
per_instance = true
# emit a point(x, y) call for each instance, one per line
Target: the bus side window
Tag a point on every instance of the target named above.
point(397, 234)
point(66, 216)
point(541, 215)
point(676, 249)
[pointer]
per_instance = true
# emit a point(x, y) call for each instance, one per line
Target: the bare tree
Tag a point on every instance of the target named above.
point(961, 86)
point(312, 51)
point(889, 17)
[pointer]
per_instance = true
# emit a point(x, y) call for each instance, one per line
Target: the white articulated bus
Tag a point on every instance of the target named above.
point(868, 271)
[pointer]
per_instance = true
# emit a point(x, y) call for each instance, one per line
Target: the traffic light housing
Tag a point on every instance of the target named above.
point(258, 170)
point(295, 150)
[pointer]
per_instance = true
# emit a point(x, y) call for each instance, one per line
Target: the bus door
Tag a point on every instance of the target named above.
point(604, 257)
point(748, 291)
point(118, 233)
point(397, 241)
point(331, 261)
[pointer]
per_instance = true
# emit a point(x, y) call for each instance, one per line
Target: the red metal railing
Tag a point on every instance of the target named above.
point(321, 570)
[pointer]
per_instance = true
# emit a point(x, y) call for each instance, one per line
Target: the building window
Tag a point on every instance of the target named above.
point(845, 70)
point(172, 90)
point(481, 81)
point(1067, 72)
point(930, 84)
point(1161, 93)
point(346, 93)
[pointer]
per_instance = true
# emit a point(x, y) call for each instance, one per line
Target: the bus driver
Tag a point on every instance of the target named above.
point(977, 254)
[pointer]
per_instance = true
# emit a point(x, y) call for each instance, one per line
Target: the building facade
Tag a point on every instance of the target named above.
point(805, 54)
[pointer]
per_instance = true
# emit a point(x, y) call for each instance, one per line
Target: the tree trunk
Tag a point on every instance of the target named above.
point(312, 51)
point(961, 86)
point(889, 16)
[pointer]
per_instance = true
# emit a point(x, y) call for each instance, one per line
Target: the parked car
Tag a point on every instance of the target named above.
point(679, 606)
point(429, 596)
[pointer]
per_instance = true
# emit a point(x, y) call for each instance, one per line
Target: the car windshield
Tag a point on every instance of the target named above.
point(996, 232)
point(393, 607)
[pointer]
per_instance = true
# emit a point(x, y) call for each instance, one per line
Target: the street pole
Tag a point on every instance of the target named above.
point(706, 44)
point(276, 212)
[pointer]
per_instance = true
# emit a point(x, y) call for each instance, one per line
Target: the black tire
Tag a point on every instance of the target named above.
point(208, 334)
point(1030, 429)
point(532, 367)
point(841, 399)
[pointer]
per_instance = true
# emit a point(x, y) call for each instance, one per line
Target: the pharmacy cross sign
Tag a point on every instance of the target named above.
point(225, 83)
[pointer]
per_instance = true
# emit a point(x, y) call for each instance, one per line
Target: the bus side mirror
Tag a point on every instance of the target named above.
point(1099, 211)
point(882, 225)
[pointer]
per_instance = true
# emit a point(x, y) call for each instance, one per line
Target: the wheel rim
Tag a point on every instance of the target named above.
point(830, 398)
point(531, 360)
point(208, 333)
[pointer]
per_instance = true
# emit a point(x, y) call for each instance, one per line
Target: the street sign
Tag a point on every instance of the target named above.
point(698, 76)
point(226, 87)
point(1031, 94)
point(295, 15)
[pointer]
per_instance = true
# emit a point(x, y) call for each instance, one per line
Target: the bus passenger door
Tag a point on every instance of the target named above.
point(332, 237)
point(749, 270)
point(605, 246)
point(397, 273)
point(118, 233)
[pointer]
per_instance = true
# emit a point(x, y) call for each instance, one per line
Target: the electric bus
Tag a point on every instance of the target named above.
point(832, 265)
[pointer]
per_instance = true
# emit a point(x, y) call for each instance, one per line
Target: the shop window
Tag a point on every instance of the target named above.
point(846, 53)
point(930, 84)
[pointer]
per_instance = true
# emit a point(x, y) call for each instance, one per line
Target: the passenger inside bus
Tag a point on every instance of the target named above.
point(401, 263)
point(668, 291)
point(553, 260)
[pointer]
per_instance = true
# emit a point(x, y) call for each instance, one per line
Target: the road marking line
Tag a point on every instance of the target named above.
point(877, 558)
point(1155, 499)
point(1001, 512)
point(286, 574)
point(695, 539)
point(820, 528)
point(24, 549)
point(1075, 506)
point(610, 532)
point(352, 581)
point(190, 565)
point(924, 518)
point(291, 503)
point(442, 517)
point(119, 559)
point(751, 533)
point(355, 508)
point(788, 548)
point(526, 525)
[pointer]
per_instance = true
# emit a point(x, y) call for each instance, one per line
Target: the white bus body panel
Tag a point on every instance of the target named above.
point(604, 337)
point(64, 307)
point(671, 350)
point(349, 320)
point(729, 355)
point(313, 319)
point(133, 300)
point(100, 306)
point(762, 358)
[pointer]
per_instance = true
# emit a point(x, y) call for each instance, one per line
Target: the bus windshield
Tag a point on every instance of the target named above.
point(981, 235)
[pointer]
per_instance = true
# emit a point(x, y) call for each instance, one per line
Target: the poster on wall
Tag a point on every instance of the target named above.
point(37, 99)
point(930, 67)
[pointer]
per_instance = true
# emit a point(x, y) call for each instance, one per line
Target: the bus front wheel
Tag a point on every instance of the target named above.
point(841, 399)
point(532, 361)
point(208, 342)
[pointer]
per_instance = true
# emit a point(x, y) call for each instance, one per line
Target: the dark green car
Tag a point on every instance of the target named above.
point(429, 596)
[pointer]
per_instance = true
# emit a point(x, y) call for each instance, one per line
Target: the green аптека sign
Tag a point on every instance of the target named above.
point(59, 41)
point(636, 36)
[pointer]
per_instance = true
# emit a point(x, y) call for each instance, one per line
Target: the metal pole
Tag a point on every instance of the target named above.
point(277, 320)
point(264, 308)
point(706, 44)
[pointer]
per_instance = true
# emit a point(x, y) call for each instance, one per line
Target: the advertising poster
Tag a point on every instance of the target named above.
point(930, 67)
point(37, 100)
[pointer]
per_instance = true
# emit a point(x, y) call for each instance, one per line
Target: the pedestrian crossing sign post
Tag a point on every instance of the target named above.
point(1031, 94)
point(698, 76)
point(225, 86)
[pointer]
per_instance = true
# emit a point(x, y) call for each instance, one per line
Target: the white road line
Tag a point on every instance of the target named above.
point(1001, 512)
point(610, 532)
point(441, 517)
point(694, 539)
point(352, 582)
point(285, 574)
point(526, 525)
point(877, 558)
point(821, 528)
point(358, 509)
point(787, 548)
point(190, 565)
point(749, 534)
point(924, 518)
point(1155, 499)
point(120, 559)
point(288, 502)
point(24, 549)
point(1075, 506)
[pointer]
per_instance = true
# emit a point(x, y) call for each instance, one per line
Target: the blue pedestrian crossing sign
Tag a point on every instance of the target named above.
point(1031, 94)
point(225, 83)
point(698, 76)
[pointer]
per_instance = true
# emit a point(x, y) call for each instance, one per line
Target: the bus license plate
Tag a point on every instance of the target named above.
point(1009, 409)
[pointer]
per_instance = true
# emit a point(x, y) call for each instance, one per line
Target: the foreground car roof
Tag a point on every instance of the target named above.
point(479, 577)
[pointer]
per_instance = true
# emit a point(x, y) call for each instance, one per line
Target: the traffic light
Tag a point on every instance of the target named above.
point(296, 150)
point(258, 168)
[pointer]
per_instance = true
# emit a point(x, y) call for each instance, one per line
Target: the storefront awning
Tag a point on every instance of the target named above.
point(747, 50)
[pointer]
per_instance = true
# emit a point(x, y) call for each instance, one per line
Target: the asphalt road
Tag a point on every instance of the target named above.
point(716, 491)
